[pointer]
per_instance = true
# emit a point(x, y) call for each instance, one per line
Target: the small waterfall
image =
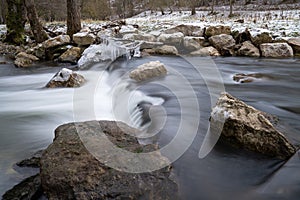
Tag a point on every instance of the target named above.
point(109, 50)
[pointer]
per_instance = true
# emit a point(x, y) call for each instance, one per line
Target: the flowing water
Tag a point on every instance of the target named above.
point(29, 114)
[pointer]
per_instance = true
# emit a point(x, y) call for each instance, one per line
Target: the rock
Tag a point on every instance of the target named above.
point(173, 39)
point(29, 188)
point(223, 43)
point(241, 37)
point(248, 49)
point(276, 50)
point(66, 78)
point(206, 51)
point(57, 41)
point(140, 37)
point(70, 171)
point(84, 38)
point(72, 55)
point(148, 71)
point(163, 50)
point(217, 30)
point(295, 44)
point(25, 60)
point(248, 128)
point(39, 51)
point(128, 29)
point(193, 43)
point(150, 45)
point(187, 30)
point(33, 162)
point(260, 38)
point(247, 78)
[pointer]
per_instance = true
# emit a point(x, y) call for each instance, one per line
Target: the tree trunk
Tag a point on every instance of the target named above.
point(36, 27)
point(193, 12)
point(212, 7)
point(231, 5)
point(15, 22)
point(3, 11)
point(73, 18)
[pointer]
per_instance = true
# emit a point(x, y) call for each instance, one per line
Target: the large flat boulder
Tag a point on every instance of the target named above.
point(84, 38)
point(140, 36)
point(248, 128)
point(148, 71)
point(223, 43)
point(162, 50)
point(70, 171)
point(276, 50)
point(193, 43)
point(72, 55)
point(66, 78)
point(258, 38)
point(57, 41)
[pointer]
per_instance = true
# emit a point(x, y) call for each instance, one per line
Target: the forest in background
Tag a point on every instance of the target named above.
point(55, 10)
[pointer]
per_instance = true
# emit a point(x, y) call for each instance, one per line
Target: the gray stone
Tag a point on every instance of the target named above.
point(150, 45)
point(72, 55)
point(33, 162)
point(248, 128)
point(276, 50)
point(70, 171)
point(193, 43)
point(84, 38)
point(260, 38)
point(223, 43)
point(163, 50)
point(248, 49)
point(25, 60)
point(206, 51)
point(187, 30)
point(172, 39)
point(295, 44)
point(66, 78)
point(57, 41)
point(217, 30)
point(29, 188)
point(140, 37)
point(148, 71)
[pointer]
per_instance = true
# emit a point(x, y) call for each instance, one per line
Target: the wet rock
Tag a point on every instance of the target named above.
point(295, 44)
point(148, 71)
point(39, 51)
point(223, 43)
point(84, 38)
point(66, 78)
point(150, 45)
point(70, 171)
point(25, 60)
point(163, 50)
point(247, 78)
point(141, 37)
point(248, 49)
point(241, 37)
point(57, 41)
point(173, 39)
point(206, 51)
point(248, 128)
point(187, 30)
point(29, 188)
point(72, 55)
point(260, 38)
point(276, 50)
point(217, 30)
point(193, 43)
point(33, 162)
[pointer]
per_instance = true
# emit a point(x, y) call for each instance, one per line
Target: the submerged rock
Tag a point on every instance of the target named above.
point(248, 49)
point(25, 60)
point(247, 78)
point(224, 43)
point(206, 51)
point(70, 171)
point(29, 188)
point(276, 50)
point(148, 71)
point(246, 127)
point(66, 78)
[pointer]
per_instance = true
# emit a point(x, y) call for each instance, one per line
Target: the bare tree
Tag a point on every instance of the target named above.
point(36, 27)
point(231, 8)
point(3, 11)
point(73, 18)
point(15, 21)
